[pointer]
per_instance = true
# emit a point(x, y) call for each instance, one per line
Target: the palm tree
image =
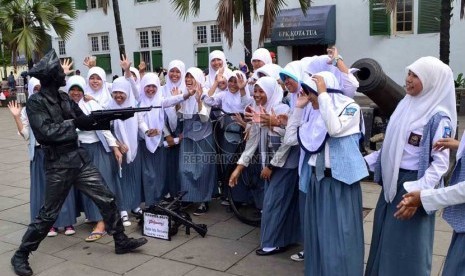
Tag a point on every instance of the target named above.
point(24, 24)
point(239, 11)
point(444, 29)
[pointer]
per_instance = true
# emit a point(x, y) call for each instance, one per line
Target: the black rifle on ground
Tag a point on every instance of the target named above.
point(118, 114)
point(179, 217)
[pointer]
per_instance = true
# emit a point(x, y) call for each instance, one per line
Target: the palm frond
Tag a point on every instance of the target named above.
point(272, 8)
point(225, 9)
point(185, 7)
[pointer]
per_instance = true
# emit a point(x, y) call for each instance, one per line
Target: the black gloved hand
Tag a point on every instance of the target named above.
point(89, 122)
point(85, 122)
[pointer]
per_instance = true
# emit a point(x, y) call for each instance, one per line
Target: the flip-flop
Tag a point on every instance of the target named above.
point(95, 236)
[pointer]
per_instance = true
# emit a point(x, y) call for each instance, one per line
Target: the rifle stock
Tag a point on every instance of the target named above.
point(199, 228)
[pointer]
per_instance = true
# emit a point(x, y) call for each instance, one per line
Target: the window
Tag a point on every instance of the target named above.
point(61, 47)
point(95, 4)
point(156, 40)
point(150, 46)
point(99, 43)
point(94, 41)
point(404, 16)
point(215, 33)
point(100, 47)
point(202, 34)
point(208, 33)
point(143, 1)
point(105, 44)
point(429, 14)
point(207, 38)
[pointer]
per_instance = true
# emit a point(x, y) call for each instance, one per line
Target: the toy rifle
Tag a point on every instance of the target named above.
point(180, 217)
point(118, 114)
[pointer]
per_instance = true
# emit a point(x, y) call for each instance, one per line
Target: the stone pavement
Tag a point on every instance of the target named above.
point(228, 248)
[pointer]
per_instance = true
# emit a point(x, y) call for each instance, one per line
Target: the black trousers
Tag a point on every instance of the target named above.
point(88, 180)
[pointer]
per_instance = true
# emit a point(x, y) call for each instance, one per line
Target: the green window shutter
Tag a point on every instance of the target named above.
point(157, 59)
point(380, 18)
point(202, 57)
point(104, 61)
point(80, 4)
point(429, 16)
point(136, 56)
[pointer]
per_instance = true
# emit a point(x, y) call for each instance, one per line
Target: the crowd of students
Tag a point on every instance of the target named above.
point(303, 124)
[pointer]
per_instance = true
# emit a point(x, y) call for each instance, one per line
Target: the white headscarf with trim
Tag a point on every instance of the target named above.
point(189, 107)
point(169, 85)
point(212, 72)
point(232, 101)
point(295, 71)
point(125, 131)
point(414, 112)
point(102, 96)
point(154, 118)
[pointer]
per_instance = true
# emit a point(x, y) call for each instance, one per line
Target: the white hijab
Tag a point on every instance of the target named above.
point(231, 102)
point(274, 94)
point(169, 85)
point(270, 70)
point(212, 72)
point(154, 118)
point(273, 90)
point(414, 112)
point(295, 71)
point(189, 107)
point(263, 55)
point(315, 64)
point(125, 131)
point(313, 132)
point(102, 96)
point(33, 82)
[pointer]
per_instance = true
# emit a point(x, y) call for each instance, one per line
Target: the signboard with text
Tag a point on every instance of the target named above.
point(156, 226)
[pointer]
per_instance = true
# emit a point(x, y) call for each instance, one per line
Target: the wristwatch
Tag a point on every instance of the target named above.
point(336, 59)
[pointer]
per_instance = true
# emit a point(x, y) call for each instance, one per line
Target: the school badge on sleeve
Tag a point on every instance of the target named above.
point(414, 139)
point(447, 132)
point(350, 111)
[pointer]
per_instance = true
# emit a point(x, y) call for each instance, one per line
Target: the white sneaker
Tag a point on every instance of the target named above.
point(298, 257)
point(53, 232)
point(126, 221)
point(69, 230)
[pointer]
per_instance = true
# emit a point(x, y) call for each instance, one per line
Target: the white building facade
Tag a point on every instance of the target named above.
point(154, 32)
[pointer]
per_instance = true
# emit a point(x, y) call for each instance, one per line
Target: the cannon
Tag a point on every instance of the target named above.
point(377, 86)
point(383, 91)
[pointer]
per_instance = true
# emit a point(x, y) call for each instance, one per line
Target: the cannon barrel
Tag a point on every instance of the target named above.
point(377, 86)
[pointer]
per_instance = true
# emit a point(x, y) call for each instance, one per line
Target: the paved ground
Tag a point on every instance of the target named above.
point(228, 248)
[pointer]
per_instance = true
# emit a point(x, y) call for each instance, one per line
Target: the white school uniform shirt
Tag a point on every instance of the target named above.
point(435, 199)
point(89, 137)
point(337, 126)
point(410, 158)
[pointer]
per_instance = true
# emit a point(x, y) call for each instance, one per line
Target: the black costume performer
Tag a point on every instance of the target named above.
point(53, 118)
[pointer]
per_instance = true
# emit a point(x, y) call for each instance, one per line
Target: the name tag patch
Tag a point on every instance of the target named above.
point(414, 139)
point(447, 132)
point(350, 111)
